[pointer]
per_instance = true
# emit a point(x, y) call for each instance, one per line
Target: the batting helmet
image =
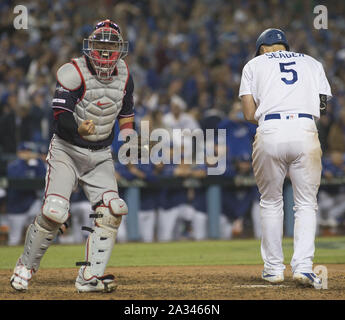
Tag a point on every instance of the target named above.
point(270, 37)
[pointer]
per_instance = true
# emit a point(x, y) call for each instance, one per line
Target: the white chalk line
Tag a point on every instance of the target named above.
point(249, 286)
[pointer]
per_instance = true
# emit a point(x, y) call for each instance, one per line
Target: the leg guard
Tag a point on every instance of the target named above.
point(43, 231)
point(99, 245)
point(101, 241)
point(37, 241)
point(98, 250)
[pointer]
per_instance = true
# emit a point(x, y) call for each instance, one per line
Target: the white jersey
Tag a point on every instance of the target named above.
point(285, 81)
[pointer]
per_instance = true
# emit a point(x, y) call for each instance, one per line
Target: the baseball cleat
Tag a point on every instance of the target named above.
point(104, 283)
point(272, 278)
point(21, 277)
point(308, 279)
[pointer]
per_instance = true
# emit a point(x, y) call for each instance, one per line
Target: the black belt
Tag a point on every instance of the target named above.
point(94, 148)
point(277, 116)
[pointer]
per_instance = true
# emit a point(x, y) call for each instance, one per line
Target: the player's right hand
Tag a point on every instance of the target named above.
point(86, 128)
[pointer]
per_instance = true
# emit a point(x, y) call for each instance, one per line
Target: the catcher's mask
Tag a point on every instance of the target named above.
point(104, 48)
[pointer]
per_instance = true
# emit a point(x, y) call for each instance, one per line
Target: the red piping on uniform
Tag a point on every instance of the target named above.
point(48, 179)
point(21, 277)
point(56, 113)
point(108, 192)
point(55, 194)
point(49, 168)
point(128, 125)
point(81, 76)
point(87, 249)
point(87, 259)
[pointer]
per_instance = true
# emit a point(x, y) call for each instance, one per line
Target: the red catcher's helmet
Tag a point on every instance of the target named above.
point(104, 48)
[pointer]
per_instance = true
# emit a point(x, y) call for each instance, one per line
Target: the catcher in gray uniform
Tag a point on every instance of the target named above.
point(92, 92)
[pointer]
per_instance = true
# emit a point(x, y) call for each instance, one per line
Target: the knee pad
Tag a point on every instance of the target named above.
point(56, 208)
point(116, 205)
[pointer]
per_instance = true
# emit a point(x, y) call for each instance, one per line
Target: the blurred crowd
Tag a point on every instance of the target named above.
point(186, 58)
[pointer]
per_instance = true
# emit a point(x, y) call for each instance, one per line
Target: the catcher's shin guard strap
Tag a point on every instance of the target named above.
point(84, 228)
point(36, 244)
point(95, 215)
point(83, 263)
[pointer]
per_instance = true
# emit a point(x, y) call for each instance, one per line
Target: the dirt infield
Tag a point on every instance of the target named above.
point(167, 283)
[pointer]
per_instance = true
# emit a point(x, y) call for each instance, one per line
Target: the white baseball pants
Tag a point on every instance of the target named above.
point(146, 225)
point(200, 226)
point(287, 146)
point(169, 221)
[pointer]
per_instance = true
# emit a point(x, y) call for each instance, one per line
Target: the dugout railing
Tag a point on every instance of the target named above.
point(213, 186)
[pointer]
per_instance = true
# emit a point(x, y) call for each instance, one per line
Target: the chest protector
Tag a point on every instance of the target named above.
point(101, 101)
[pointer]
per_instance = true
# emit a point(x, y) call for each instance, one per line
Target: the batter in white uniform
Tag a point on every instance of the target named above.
point(283, 92)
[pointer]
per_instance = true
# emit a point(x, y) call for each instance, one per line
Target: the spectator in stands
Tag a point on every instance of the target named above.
point(39, 114)
point(200, 222)
point(239, 133)
point(149, 198)
point(3, 218)
point(199, 204)
point(336, 137)
point(211, 117)
point(323, 126)
point(16, 125)
point(178, 118)
point(23, 204)
point(197, 55)
point(332, 197)
point(236, 203)
point(176, 213)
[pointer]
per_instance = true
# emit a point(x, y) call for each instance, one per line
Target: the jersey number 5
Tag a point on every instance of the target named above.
point(284, 69)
